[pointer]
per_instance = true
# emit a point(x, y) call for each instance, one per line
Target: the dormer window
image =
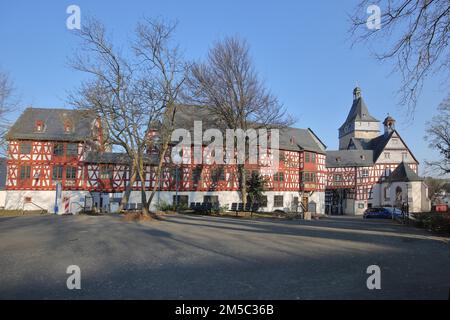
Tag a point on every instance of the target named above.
point(39, 126)
point(338, 159)
point(292, 141)
point(363, 157)
point(68, 128)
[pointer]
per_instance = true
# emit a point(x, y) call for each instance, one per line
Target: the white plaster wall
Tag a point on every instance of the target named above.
point(15, 200)
point(2, 198)
point(226, 198)
point(426, 202)
point(420, 201)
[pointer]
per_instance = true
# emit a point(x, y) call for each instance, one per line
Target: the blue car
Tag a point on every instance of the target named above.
point(382, 213)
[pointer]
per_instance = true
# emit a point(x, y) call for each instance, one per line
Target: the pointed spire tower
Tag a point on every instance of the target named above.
point(359, 123)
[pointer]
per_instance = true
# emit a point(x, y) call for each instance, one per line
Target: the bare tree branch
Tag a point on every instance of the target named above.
point(416, 33)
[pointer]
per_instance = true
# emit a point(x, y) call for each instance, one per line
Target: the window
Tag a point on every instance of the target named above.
point(105, 172)
point(58, 149)
point(365, 173)
point(307, 157)
point(309, 177)
point(217, 174)
point(25, 148)
point(387, 155)
point(404, 155)
point(387, 192)
point(68, 127)
point(181, 200)
point(313, 158)
point(278, 201)
point(279, 177)
point(196, 174)
point(370, 192)
point(57, 172)
point(25, 172)
point(177, 174)
point(398, 194)
point(39, 126)
point(71, 173)
point(211, 199)
point(72, 149)
point(387, 172)
point(337, 177)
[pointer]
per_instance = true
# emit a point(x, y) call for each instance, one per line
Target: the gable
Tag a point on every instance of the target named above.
point(394, 150)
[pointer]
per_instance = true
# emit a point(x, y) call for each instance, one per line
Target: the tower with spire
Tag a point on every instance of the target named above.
point(360, 124)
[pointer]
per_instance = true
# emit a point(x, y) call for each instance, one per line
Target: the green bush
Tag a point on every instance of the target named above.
point(434, 221)
point(165, 207)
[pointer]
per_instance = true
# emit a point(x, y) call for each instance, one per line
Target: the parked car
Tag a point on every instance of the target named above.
point(382, 213)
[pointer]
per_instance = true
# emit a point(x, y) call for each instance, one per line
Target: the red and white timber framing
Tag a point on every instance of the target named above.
point(38, 163)
point(360, 180)
point(99, 177)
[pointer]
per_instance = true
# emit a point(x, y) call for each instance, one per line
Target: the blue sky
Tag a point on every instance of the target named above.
point(300, 48)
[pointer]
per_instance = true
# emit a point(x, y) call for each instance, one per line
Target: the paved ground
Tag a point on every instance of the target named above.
point(187, 257)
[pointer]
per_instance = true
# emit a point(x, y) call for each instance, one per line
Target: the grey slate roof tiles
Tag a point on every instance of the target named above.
point(359, 112)
point(293, 139)
point(403, 173)
point(54, 120)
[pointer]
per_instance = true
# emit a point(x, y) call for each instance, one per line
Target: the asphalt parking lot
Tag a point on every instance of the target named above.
point(196, 257)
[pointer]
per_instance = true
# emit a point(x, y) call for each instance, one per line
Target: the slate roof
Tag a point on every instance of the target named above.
point(349, 158)
point(303, 139)
point(359, 112)
point(403, 173)
point(24, 127)
point(2, 173)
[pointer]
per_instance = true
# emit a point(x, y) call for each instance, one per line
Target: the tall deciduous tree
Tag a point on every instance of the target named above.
point(8, 103)
point(228, 84)
point(134, 94)
point(438, 136)
point(416, 34)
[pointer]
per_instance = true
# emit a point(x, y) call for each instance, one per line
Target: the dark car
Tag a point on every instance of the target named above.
point(382, 213)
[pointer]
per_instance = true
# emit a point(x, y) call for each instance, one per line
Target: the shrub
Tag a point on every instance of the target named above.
point(434, 221)
point(165, 207)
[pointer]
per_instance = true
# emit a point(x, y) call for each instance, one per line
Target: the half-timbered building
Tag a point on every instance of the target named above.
point(59, 148)
point(372, 169)
point(50, 146)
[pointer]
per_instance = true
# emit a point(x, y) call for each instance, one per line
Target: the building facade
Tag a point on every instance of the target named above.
point(372, 169)
point(67, 148)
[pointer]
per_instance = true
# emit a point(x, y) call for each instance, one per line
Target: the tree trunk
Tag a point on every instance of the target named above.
point(129, 187)
point(158, 173)
point(243, 183)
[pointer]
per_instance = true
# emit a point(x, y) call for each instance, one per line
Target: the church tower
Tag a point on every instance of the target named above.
point(359, 123)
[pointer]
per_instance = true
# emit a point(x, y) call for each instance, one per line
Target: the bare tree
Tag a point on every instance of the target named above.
point(417, 34)
point(438, 136)
point(134, 96)
point(164, 72)
point(229, 86)
point(8, 103)
point(435, 186)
